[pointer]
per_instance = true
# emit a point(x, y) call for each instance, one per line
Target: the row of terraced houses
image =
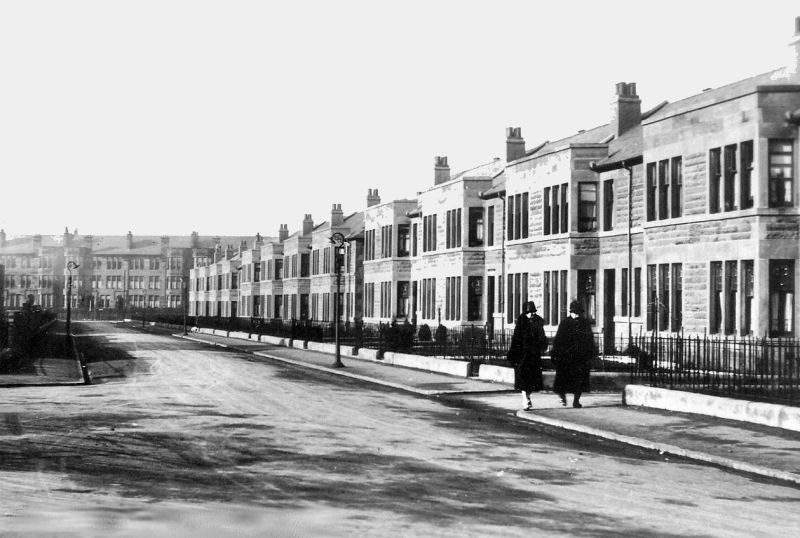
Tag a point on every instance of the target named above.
point(683, 217)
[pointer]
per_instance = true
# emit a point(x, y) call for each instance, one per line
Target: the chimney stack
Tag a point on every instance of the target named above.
point(626, 109)
point(195, 240)
point(67, 237)
point(515, 144)
point(37, 242)
point(283, 232)
point(441, 170)
point(2, 238)
point(242, 246)
point(129, 240)
point(793, 67)
point(337, 216)
point(259, 240)
point(372, 197)
point(308, 224)
point(229, 252)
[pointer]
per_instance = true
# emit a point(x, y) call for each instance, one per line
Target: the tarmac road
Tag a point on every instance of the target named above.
point(181, 439)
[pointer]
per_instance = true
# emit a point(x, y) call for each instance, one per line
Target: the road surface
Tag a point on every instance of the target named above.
point(186, 440)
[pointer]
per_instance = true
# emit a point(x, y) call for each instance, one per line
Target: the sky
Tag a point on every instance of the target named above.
point(233, 117)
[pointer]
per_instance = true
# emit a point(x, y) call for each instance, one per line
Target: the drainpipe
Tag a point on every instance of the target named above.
point(630, 249)
point(503, 267)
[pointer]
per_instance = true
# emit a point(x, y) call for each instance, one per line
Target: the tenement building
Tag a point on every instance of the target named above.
point(107, 271)
point(680, 218)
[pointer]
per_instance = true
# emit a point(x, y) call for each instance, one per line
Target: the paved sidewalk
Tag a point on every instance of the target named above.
point(760, 450)
point(417, 381)
point(49, 371)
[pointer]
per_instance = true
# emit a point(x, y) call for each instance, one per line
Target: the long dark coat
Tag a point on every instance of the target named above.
point(525, 353)
point(573, 350)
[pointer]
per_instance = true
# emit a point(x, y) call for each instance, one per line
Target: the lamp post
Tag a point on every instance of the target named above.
point(184, 300)
point(339, 242)
point(70, 266)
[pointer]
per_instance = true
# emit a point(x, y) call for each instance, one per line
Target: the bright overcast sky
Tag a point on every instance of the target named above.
point(231, 117)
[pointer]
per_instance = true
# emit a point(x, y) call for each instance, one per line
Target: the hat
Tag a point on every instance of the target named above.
point(529, 306)
point(576, 307)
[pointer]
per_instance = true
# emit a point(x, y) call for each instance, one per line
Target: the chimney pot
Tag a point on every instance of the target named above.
point(626, 108)
point(372, 197)
point(515, 144)
point(441, 170)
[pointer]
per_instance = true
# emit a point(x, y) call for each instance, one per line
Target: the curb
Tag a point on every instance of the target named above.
point(663, 448)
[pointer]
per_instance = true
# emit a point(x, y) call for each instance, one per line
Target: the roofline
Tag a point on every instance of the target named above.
point(616, 165)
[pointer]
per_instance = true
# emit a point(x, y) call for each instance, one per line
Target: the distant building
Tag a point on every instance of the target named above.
point(114, 271)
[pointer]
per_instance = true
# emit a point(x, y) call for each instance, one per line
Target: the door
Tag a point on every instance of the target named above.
point(608, 311)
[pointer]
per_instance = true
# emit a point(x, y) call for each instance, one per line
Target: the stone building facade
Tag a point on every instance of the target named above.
point(113, 271)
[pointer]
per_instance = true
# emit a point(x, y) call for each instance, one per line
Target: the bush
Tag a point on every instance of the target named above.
point(424, 334)
point(400, 337)
point(441, 335)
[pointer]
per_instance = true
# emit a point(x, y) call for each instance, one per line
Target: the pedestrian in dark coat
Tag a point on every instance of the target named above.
point(525, 353)
point(573, 350)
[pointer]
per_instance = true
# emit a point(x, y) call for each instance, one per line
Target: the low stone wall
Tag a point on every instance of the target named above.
point(431, 364)
point(766, 414)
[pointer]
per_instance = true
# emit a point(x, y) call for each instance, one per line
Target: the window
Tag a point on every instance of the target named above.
point(428, 298)
point(554, 303)
point(278, 270)
point(587, 207)
point(294, 265)
point(474, 298)
point(386, 299)
point(652, 189)
point(663, 297)
point(746, 166)
point(326, 307)
point(608, 204)
point(490, 226)
point(663, 189)
point(517, 295)
point(587, 283)
point(652, 298)
point(386, 241)
point(326, 261)
point(715, 303)
point(624, 297)
point(475, 227)
point(781, 297)
point(414, 234)
point(453, 229)
point(637, 291)
point(729, 178)
point(517, 216)
point(369, 299)
point(731, 296)
point(676, 169)
point(154, 264)
point(369, 245)
point(714, 179)
point(315, 262)
point(403, 240)
point(428, 233)
point(304, 264)
point(257, 272)
point(556, 209)
point(547, 211)
point(748, 282)
point(403, 300)
point(781, 164)
point(452, 305)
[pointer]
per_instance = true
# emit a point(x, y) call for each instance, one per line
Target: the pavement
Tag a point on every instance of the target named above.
point(47, 371)
point(764, 451)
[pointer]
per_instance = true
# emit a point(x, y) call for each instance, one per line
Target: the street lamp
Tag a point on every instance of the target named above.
point(339, 242)
point(70, 266)
point(184, 301)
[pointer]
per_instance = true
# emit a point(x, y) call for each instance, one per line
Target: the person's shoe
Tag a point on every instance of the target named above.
point(528, 407)
point(576, 405)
